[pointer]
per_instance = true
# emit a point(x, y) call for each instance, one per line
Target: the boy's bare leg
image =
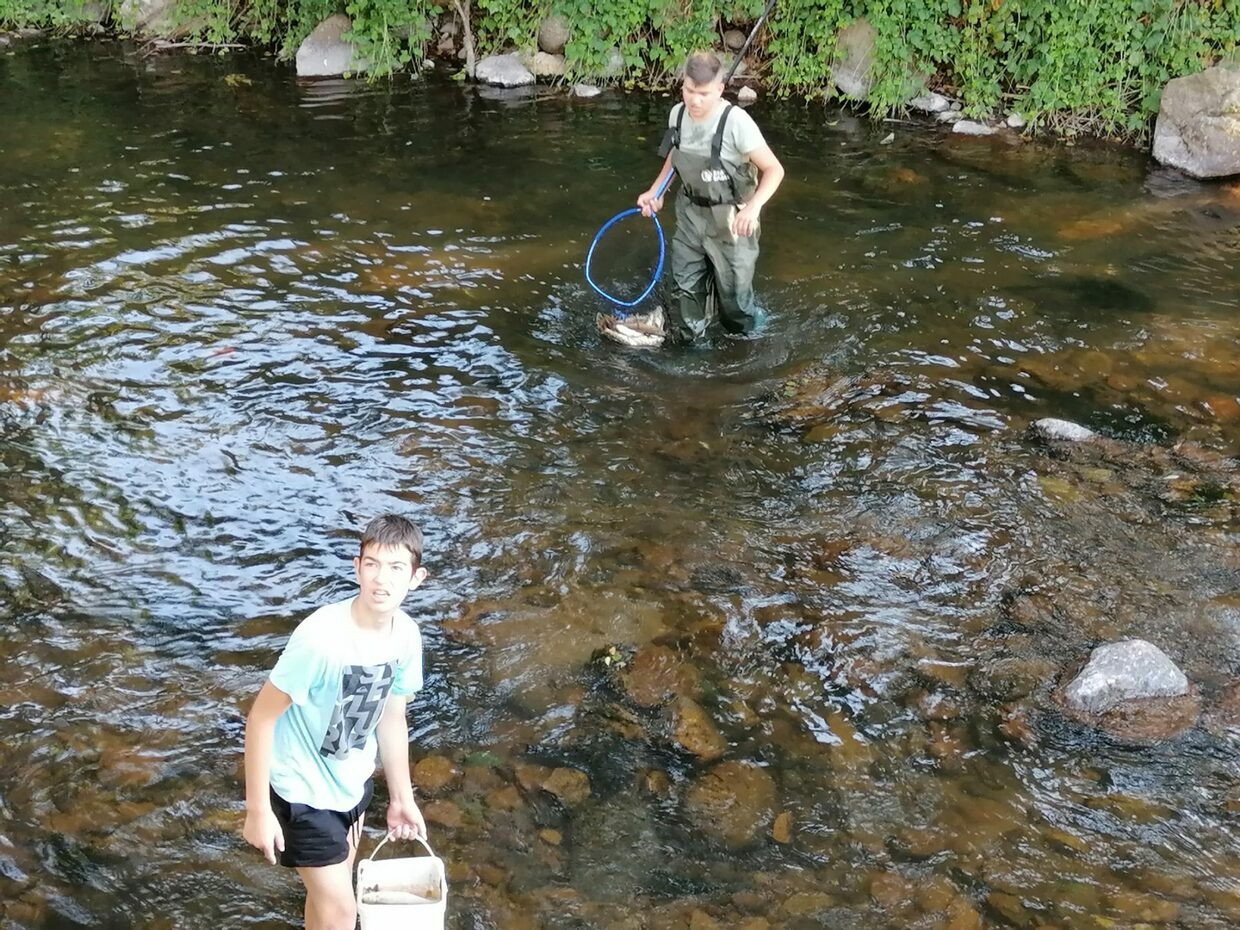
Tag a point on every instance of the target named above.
point(330, 900)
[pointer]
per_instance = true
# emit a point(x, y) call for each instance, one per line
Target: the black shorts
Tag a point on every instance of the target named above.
point(314, 837)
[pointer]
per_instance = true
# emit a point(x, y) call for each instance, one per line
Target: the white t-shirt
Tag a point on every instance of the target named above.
point(741, 135)
point(325, 746)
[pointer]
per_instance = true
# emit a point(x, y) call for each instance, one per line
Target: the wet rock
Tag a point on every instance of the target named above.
point(435, 775)
point(1052, 429)
point(551, 837)
point(571, 786)
point(1065, 841)
point(946, 744)
point(325, 53)
point(930, 103)
point(695, 732)
point(1015, 121)
point(543, 64)
point(917, 844)
point(493, 875)
point(1124, 671)
point(852, 70)
point(733, 39)
point(934, 895)
point(586, 90)
point(1016, 725)
point(961, 915)
point(503, 71)
point(553, 34)
point(1225, 713)
point(531, 777)
point(655, 675)
point(807, 904)
point(890, 890)
point(746, 95)
point(781, 829)
point(1009, 907)
point(443, 813)
point(950, 116)
point(1011, 678)
point(733, 803)
point(1152, 719)
point(507, 798)
point(656, 783)
point(1145, 908)
point(937, 706)
point(1198, 125)
point(968, 127)
point(700, 920)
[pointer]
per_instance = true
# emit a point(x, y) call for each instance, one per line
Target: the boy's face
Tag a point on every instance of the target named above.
point(385, 575)
point(700, 99)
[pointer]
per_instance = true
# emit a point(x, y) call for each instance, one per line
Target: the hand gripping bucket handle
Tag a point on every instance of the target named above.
point(410, 893)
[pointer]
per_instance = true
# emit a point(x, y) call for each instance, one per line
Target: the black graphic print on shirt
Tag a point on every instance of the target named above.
point(363, 691)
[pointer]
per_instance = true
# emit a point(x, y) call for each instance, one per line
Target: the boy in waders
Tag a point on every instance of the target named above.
point(336, 696)
point(727, 174)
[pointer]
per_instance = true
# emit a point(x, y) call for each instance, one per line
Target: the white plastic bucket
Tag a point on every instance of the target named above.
point(402, 894)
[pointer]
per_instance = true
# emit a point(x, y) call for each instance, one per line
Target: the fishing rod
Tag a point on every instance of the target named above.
point(658, 270)
point(770, 5)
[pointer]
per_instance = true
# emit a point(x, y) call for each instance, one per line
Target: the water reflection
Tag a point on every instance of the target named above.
point(245, 315)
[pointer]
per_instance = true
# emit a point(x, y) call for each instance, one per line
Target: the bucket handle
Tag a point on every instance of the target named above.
point(375, 851)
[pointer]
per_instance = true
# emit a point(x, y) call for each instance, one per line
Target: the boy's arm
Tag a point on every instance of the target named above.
point(649, 200)
point(404, 820)
point(262, 830)
point(770, 175)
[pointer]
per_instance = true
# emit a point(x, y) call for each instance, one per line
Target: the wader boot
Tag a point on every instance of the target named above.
point(704, 249)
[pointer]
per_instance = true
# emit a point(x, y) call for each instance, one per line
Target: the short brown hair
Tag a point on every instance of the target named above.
point(703, 67)
point(393, 530)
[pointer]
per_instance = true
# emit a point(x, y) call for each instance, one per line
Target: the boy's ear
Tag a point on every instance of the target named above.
point(420, 574)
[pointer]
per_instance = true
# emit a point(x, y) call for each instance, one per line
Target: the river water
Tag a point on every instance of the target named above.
point(694, 658)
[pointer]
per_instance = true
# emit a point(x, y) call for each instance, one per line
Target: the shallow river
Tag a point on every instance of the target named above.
point(697, 657)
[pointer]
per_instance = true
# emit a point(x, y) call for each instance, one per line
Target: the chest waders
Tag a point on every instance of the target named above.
point(704, 250)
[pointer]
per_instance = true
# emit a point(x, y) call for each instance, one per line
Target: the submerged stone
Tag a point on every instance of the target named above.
point(695, 732)
point(733, 803)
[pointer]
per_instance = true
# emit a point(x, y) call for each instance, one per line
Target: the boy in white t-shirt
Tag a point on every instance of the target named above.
point(727, 174)
point(334, 700)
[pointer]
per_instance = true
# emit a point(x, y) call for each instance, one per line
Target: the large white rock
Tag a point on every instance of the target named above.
point(503, 71)
point(324, 53)
point(1124, 671)
point(1062, 430)
point(1198, 126)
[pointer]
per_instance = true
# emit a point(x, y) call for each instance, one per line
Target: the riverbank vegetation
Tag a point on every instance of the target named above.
point(1095, 66)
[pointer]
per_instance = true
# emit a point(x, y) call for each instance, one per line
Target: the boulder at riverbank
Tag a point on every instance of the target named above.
point(326, 53)
point(1198, 127)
